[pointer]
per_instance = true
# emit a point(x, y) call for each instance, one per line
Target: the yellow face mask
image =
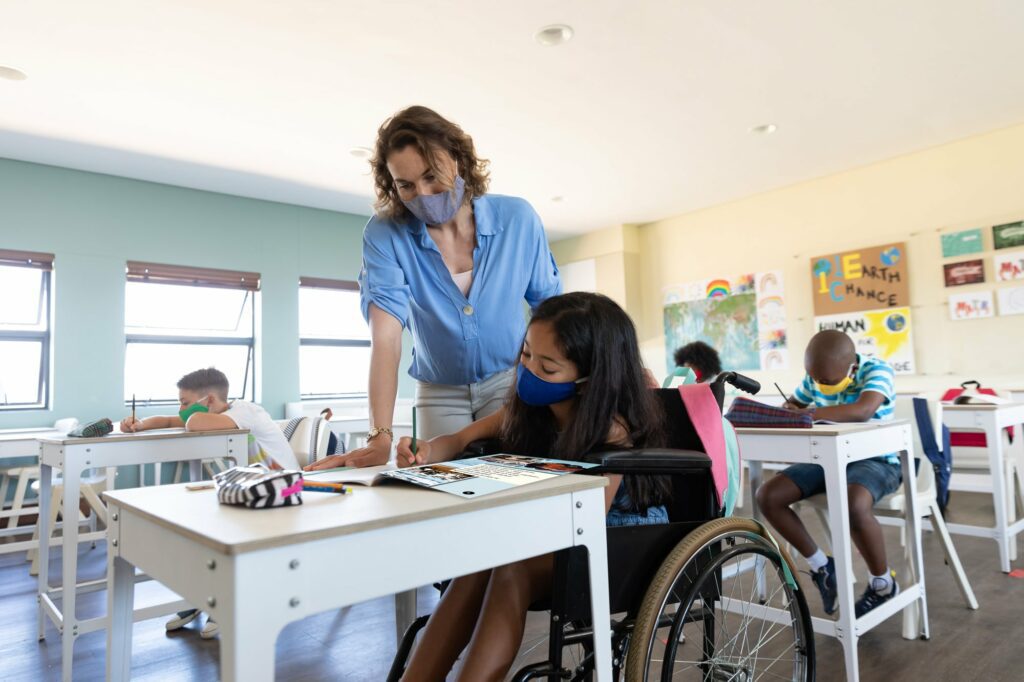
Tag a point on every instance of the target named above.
point(836, 389)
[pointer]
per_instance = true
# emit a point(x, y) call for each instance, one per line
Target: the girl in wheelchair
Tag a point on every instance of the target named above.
point(580, 387)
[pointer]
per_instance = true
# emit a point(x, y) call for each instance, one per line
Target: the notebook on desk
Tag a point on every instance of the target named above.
point(463, 477)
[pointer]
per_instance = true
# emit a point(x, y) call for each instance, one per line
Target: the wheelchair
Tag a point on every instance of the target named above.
point(687, 597)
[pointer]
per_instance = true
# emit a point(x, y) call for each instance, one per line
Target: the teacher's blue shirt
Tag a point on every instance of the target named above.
point(460, 340)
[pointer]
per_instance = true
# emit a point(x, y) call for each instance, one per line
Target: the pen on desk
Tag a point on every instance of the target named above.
point(413, 446)
point(783, 394)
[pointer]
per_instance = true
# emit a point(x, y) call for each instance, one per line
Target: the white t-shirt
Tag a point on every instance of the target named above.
point(266, 440)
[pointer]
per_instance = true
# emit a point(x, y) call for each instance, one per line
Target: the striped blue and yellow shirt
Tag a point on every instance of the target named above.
point(873, 374)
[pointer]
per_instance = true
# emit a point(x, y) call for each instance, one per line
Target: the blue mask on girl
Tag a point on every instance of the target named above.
point(536, 392)
point(436, 209)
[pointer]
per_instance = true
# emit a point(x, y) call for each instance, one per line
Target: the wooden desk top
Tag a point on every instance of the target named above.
point(153, 434)
point(234, 530)
point(820, 429)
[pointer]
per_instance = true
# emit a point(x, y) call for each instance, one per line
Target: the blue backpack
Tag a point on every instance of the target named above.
point(941, 459)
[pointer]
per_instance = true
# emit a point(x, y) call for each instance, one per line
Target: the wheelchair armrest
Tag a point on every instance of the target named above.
point(661, 461)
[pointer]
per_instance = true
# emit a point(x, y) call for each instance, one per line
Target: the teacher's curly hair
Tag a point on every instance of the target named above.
point(431, 134)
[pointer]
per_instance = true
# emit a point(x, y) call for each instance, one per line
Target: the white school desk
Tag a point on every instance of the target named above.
point(19, 444)
point(72, 456)
point(833, 447)
point(24, 442)
point(255, 571)
point(992, 419)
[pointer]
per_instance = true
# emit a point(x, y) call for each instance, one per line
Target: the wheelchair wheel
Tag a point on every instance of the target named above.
point(702, 616)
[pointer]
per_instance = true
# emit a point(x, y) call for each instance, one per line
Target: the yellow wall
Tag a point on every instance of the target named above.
point(616, 254)
point(977, 182)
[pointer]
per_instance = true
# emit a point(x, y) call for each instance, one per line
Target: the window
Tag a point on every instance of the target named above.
point(24, 329)
point(334, 340)
point(180, 319)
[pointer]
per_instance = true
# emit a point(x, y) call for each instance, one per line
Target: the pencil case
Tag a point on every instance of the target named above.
point(258, 487)
point(93, 429)
point(746, 412)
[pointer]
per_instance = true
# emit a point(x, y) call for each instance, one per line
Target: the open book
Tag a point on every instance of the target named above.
point(463, 477)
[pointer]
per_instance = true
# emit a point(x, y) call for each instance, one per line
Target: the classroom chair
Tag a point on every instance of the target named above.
point(891, 509)
point(93, 484)
point(308, 436)
point(24, 477)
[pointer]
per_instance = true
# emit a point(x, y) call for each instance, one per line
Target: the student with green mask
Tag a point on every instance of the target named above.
point(841, 386)
point(204, 406)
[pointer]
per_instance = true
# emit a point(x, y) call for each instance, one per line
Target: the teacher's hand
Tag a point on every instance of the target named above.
point(377, 452)
point(405, 456)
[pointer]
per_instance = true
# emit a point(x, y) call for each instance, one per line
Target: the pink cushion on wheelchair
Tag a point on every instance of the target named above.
point(706, 417)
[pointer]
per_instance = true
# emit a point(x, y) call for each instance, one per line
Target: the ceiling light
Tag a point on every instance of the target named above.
point(552, 35)
point(11, 74)
point(764, 129)
point(361, 152)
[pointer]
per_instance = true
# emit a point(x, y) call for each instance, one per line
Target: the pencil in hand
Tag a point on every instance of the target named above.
point(412, 446)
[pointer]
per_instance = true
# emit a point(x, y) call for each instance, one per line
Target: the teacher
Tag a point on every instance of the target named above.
point(452, 264)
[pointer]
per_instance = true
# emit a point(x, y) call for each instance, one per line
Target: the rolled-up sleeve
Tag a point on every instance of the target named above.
point(544, 279)
point(382, 281)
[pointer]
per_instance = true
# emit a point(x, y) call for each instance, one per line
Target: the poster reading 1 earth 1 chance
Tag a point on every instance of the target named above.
point(865, 293)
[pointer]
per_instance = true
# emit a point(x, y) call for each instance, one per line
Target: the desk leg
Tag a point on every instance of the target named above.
point(589, 530)
point(120, 604)
point(915, 616)
point(43, 519)
point(756, 472)
point(69, 561)
point(997, 465)
point(839, 525)
point(195, 470)
point(405, 612)
point(248, 638)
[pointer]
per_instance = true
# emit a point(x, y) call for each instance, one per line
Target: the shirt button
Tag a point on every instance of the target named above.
point(468, 309)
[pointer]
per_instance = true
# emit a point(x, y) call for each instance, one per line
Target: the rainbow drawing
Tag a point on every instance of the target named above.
point(718, 288)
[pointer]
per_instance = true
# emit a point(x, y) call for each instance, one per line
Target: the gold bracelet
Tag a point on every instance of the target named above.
point(378, 430)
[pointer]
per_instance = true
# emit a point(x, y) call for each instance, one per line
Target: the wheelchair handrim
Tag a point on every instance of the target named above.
point(753, 543)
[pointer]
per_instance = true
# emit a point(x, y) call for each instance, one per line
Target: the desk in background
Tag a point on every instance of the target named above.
point(833, 447)
point(72, 456)
point(992, 419)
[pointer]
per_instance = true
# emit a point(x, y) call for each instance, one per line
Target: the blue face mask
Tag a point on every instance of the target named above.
point(435, 209)
point(534, 391)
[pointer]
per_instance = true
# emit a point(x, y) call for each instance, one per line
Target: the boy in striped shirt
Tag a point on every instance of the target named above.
point(841, 386)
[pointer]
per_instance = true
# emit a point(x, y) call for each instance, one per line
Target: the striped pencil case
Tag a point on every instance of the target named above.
point(258, 487)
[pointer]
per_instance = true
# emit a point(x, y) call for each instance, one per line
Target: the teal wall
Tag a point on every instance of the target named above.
point(95, 223)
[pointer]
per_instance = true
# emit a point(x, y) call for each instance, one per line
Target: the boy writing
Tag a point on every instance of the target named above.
point(841, 386)
point(204, 406)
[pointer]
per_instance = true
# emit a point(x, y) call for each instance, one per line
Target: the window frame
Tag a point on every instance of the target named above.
point(44, 263)
point(335, 285)
point(202, 278)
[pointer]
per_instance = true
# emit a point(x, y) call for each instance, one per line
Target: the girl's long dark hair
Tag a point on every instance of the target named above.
point(600, 339)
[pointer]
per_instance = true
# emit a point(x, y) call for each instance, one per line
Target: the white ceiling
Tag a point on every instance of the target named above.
point(643, 115)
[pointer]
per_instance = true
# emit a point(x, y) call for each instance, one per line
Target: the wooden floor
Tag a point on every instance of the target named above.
point(358, 643)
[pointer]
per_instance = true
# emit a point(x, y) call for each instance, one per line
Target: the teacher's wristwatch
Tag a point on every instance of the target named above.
point(378, 430)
